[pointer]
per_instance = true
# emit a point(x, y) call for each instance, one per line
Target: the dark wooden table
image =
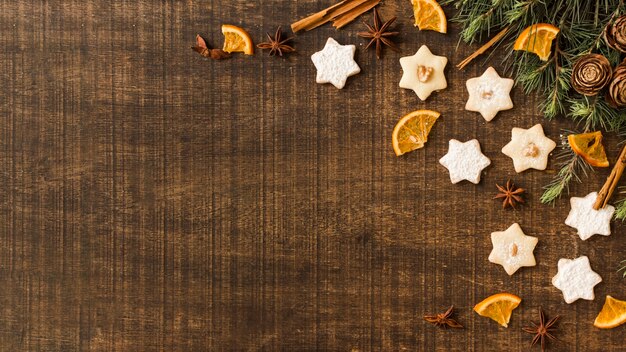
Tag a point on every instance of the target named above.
point(154, 200)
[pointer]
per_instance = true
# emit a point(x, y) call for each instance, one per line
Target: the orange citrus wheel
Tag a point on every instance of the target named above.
point(237, 40)
point(498, 307)
point(537, 39)
point(613, 314)
point(411, 132)
point(429, 15)
point(589, 147)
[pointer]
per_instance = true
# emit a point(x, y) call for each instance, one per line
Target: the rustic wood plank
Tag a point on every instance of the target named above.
point(154, 200)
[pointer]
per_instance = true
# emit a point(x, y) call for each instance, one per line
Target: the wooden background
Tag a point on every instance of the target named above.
point(154, 200)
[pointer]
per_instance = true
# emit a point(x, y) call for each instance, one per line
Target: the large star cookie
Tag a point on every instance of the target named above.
point(423, 72)
point(464, 161)
point(576, 279)
point(587, 220)
point(529, 148)
point(489, 94)
point(335, 63)
point(512, 249)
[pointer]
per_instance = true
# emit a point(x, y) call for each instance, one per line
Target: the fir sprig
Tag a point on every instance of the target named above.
point(571, 167)
point(581, 26)
point(593, 113)
point(620, 206)
point(620, 209)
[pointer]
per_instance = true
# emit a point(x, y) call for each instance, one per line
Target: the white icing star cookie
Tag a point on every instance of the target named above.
point(529, 148)
point(489, 94)
point(423, 72)
point(464, 161)
point(587, 220)
point(576, 279)
point(335, 63)
point(512, 249)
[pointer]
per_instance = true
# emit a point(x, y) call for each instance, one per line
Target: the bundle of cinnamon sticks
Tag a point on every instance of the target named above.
point(340, 14)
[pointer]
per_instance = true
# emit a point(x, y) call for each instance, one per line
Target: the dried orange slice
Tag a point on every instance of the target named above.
point(589, 147)
point(613, 314)
point(537, 39)
point(237, 40)
point(498, 307)
point(429, 16)
point(411, 132)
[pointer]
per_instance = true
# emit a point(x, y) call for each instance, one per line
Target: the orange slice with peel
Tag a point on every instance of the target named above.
point(613, 314)
point(589, 147)
point(411, 132)
point(498, 307)
point(429, 16)
point(237, 40)
point(537, 39)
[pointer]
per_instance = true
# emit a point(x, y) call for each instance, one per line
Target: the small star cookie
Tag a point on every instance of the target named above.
point(335, 63)
point(513, 249)
point(464, 161)
point(587, 220)
point(489, 94)
point(529, 148)
point(576, 279)
point(423, 72)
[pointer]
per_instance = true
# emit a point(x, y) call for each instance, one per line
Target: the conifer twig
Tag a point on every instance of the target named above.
point(571, 166)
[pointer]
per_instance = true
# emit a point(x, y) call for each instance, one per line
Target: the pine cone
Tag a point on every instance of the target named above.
point(617, 87)
point(615, 34)
point(590, 74)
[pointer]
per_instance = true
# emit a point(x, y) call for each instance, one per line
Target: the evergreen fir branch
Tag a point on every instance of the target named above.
point(620, 205)
point(594, 112)
point(525, 11)
point(620, 209)
point(572, 167)
point(581, 24)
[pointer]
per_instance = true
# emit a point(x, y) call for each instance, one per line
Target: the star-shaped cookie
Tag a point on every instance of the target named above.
point(423, 72)
point(335, 63)
point(464, 161)
point(512, 249)
point(529, 148)
point(489, 94)
point(587, 220)
point(576, 279)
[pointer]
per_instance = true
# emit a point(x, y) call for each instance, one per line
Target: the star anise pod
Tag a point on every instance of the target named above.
point(379, 33)
point(543, 330)
point(510, 193)
point(277, 44)
point(443, 320)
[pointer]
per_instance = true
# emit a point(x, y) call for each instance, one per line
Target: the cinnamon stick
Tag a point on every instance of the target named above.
point(483, 48)
point(340, 11)
point(350, 16)
point(341, 14)
point(611, 182)
point(316, 19)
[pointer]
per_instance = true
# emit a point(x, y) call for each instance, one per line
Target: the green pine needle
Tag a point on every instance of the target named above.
point(620, 206)
point(571, 167)
point(623, 268)
point(620, 210)
point(594, 113)
point(581, 26)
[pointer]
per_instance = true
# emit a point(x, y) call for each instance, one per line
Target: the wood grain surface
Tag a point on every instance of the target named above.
point(153, 200)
